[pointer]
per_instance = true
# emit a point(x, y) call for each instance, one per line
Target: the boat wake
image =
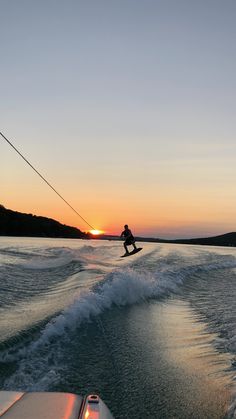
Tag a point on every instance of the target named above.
point(39, 363)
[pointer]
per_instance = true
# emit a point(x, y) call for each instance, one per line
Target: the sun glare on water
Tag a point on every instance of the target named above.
point(96, 232)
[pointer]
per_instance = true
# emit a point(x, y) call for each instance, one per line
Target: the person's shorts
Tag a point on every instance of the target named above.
point(129, 241)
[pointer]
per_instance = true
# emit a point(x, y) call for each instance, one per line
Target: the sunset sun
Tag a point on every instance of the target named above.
point(96, 232)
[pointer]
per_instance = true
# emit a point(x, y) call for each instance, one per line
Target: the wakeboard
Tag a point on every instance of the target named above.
point(132, 253)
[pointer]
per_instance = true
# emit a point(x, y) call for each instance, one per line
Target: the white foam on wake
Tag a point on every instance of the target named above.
point(58, 257)
point(120, 288)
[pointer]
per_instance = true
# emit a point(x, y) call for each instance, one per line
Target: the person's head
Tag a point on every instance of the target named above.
point(126, 226)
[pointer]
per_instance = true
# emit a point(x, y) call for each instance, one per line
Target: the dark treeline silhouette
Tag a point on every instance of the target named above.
point(228, 239)
point(13, 223)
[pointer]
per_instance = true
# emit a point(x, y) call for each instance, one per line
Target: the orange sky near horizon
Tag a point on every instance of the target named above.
point(169, 209)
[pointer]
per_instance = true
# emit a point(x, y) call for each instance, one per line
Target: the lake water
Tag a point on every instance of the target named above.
point(153, 334)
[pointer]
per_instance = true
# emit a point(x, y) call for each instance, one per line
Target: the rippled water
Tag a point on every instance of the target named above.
point(153, 334)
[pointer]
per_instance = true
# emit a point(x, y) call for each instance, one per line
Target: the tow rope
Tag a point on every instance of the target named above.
point(45, 180)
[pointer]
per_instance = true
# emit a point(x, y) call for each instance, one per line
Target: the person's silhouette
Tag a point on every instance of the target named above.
point(129, 238)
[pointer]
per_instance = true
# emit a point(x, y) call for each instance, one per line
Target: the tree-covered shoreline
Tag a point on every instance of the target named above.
point(14, 223)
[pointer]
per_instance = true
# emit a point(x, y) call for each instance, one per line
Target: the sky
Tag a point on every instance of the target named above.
point(127, 107)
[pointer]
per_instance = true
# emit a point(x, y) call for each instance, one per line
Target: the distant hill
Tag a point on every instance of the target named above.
point(228, 239)
point(13, 223)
